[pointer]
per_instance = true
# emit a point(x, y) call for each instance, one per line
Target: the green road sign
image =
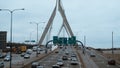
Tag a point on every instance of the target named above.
point(64, 40)
point(72, 40)
point(32, 40)
point(55, 39)
point(69, 40)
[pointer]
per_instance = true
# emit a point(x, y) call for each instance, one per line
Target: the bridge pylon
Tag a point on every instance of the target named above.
point(65, 24)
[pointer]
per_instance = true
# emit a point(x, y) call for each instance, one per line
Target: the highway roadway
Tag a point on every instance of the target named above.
point(101, 61)
point(50, 60)
point(98, 61)
point(95, 62)
point(18, 60)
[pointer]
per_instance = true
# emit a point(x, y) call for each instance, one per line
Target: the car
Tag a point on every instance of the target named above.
point(65, 47)
point(18, 52)
point(66, 52)
point(61, 47)
point(92, 54)
point(56, 51)
point(60, 62)
point(74, 61)
point(38, 52)
point(35, 64)
point(22, 55)
point(26, 56)
point(2, 56)
point(29, 51)
point(40, 49)
point(55, 66)
point(40, 66)
point(7, 58)
point(1, 64)
point(73, 55)
point(35, 48)
point(111, 62)
point(64, 57)
point(74, 58)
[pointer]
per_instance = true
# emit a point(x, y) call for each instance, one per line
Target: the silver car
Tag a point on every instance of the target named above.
point(7, 58)
point(26, 56)
point(74, 61)
point(60, 62)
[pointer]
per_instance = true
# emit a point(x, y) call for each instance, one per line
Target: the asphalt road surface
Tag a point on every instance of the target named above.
point(50, 60)
point(95, 62)
point(102, 61)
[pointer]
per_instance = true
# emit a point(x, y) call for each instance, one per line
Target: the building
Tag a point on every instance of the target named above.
point(3, 39)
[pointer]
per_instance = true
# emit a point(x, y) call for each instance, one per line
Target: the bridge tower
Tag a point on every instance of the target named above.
point(65, 24)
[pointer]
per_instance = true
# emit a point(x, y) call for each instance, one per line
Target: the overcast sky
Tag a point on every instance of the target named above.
point(95, 19)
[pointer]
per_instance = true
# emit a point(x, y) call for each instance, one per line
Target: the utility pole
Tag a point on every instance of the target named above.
point(112, 46)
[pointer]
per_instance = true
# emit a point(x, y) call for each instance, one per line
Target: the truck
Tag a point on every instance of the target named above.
point(23, 48)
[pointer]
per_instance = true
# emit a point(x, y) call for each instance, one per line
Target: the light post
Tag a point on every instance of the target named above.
point(112, 45)
point(11, 12)
point(37, 33)
point(37, 28)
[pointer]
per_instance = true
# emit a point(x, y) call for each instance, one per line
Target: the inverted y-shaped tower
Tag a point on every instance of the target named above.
point(49, 24)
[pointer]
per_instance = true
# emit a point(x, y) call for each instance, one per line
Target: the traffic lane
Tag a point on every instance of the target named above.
point(47, 62)
point(101, 61)
point(67, 63)
point(18, 60)
point(50, 60)
point(87, 60)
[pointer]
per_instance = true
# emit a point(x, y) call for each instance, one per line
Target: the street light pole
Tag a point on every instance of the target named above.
point(37, 29)
point(37, 34)
point(112, 46)
point(11, 12)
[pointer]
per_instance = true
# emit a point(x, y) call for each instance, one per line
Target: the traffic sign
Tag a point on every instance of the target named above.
point(55, 39)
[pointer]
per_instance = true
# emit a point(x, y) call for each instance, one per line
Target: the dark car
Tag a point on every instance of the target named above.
point(2, 56)
point(1, 64)
point(35, 64)
point(22, 55)
point(57, 51)
point(64, 57)
point(18, 52)
point(111, 62)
